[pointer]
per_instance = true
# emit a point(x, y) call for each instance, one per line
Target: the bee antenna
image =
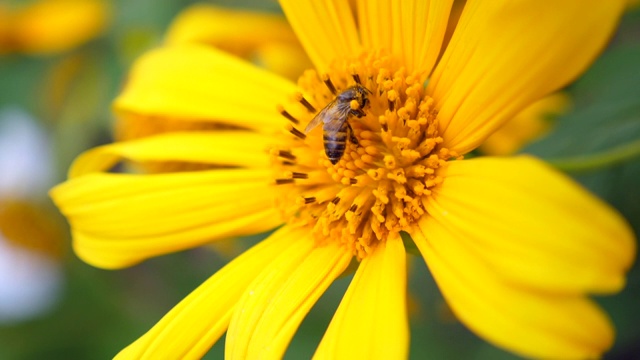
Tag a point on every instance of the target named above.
point(356, 78)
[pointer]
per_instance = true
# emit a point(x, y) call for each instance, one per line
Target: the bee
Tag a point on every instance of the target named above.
point(336, 128)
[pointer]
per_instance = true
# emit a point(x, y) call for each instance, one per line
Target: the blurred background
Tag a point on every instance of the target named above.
point(61, 64)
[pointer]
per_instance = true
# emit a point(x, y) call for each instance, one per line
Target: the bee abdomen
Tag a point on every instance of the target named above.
point(334, 145)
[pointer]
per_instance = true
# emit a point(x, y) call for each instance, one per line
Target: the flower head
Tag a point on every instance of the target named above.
point(514, 257)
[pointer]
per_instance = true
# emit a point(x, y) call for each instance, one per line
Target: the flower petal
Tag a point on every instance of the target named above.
point(530, 323)
point(275, 304)
point(230, 148)
point(412, 30)
point(371, 321)
point(235, 31)
point(198, 83)
point(326, 29)
point(122, 219)
point(535, 227)
point(528, 125)
point(198, 321)
point(263, 38)
point(504, 55)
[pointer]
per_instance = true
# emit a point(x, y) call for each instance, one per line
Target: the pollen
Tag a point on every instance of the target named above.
point(391, 160)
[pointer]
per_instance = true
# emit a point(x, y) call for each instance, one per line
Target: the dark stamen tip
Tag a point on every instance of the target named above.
point(329, 84)
point(308, 105)
point(297, 133)
point(286, 154)
point(284, 181)
point(289, 117)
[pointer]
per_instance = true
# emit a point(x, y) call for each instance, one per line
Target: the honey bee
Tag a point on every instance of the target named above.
point(334, 116)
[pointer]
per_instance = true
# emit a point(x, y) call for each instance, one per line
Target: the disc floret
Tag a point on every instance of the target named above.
point(379, 185)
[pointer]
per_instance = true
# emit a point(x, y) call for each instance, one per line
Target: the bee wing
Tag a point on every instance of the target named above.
point(334, 119)
point(315, 121)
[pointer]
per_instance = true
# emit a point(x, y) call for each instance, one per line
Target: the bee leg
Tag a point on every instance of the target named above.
point(352, 136)
point(358, 113)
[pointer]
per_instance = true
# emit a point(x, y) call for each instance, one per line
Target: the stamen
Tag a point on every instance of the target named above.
point(356, 78)
point(297, 175)
point(286, 154)
point(297, 133)
point(306, 103)
point(329, 84)
point(336, 200)
point(284, 181)
point(288, 116)
point(309, 200)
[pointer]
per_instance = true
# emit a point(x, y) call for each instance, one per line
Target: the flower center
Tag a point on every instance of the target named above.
point(363, 173)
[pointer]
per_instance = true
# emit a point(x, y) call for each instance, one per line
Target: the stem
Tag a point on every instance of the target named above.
point(597, 161)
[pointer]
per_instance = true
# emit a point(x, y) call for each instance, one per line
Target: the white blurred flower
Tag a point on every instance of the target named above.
point(25, 155)
point(30, 270)
point(30, 282)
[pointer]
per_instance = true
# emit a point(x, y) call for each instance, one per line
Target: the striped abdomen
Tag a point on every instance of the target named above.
point(335, 142)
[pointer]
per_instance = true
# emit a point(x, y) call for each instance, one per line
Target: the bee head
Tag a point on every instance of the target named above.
point(360, 94)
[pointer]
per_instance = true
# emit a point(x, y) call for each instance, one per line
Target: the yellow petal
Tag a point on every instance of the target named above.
point(411, 30)
point(326, 29)
point(371, 321)
point(50, 26)
point(122, 219)
point(504, 55)
point(230, 148)
point(199, 83)
point(198, 321)
point(536, 227)
point(531, 323)
point(274, 305)
point(528, 125)
point(266, 39)
point(235, 31)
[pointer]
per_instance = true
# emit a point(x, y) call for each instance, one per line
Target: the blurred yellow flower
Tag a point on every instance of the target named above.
point(51, 26)
point(266, 39)
point(514, 246)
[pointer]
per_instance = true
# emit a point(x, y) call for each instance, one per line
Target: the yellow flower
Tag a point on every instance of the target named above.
point(266, 39)
point(514, 246)
point(51, 26)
